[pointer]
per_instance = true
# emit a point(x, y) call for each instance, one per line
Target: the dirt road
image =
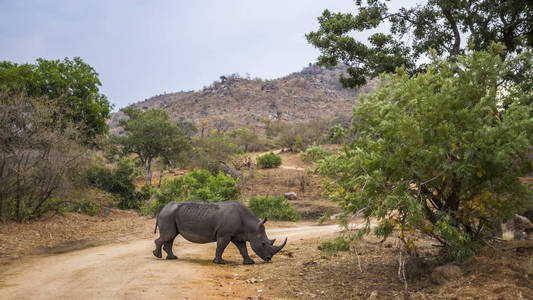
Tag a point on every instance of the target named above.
point(130, 271)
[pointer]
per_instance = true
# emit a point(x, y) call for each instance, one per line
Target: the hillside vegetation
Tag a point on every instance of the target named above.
point(234, 101)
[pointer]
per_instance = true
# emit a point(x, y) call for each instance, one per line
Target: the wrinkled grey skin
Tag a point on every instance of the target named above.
point(223, 222)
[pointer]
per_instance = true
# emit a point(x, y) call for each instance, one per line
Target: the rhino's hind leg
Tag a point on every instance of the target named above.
point(167, 234)
point(222, 243)
point(167, 246)
point(244, 252)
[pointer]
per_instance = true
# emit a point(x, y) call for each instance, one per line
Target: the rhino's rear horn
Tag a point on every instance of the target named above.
point(272, 242)
point(278, 248)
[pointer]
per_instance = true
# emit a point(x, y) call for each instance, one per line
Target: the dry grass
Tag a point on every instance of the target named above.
point(69, 232)
point(290, 177)
point(309, 274)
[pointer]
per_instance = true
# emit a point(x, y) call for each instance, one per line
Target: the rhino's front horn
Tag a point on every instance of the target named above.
point(272, 242)
point(278, 248)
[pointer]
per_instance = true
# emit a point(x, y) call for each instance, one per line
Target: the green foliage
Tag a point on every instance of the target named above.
point(439, 25)
point(89, 207)
point(314, 153)
point(119, 181)
point(73, 83)
point(198, 185)
point(337, 133)
point(269, 160)
point(151, 135)
point(336, 245)
point(324, 218)
point(440, 152)
point(276, 208)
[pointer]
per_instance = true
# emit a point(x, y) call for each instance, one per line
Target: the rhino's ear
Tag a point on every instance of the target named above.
point(264, 220)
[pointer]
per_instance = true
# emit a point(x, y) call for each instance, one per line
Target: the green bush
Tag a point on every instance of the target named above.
point(89, 207)
point(338, 244)
point(440, 153)
point(324, 218)
point(314, 153)
point(337, 134)
point(277, 208)
point(269, 160)
point(119, 181)
point(198, 185)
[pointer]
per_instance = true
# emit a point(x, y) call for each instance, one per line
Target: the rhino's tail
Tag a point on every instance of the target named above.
point(156, 222)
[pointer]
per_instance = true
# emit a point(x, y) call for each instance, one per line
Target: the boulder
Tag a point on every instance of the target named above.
point(290, 196)
point(446, 273)
point(336, 216)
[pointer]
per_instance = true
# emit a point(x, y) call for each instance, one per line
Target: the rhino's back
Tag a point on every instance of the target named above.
point(202, 222)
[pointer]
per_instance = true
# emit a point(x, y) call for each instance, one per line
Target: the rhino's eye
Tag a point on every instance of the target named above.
point(263, 243)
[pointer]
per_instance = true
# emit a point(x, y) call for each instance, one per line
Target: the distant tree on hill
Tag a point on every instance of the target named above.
point(244, 137)
point(150, 135)
point(73, 83)
point(211, 150)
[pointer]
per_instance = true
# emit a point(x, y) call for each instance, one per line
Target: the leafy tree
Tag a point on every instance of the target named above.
point(445, 26)
point(73, 83)
point(150, 135)
point(437, 153)
point(210, 150)
point(245, 138)
point(296, 137)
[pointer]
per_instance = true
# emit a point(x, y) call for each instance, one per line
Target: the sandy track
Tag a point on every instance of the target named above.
point(130, 271)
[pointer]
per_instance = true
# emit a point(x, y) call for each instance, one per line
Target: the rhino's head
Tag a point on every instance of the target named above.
point(261, 245)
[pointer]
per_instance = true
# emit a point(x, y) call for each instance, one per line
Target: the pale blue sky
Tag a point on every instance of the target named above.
point(142, 48)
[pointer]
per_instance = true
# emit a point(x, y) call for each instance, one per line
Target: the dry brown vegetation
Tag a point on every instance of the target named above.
point(313, 93)
point(307, 273)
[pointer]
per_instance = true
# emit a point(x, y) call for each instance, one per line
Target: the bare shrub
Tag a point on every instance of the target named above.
point(298, 136)
point(39, 161)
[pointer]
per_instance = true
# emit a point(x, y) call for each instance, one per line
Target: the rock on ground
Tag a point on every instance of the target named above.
point(446, 273)
point(290, 195)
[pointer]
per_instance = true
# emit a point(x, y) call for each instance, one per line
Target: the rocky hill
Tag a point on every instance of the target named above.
point(233, 101)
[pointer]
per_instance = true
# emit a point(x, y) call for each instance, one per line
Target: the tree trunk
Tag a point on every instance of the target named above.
point(148, 171)
point(171, 164)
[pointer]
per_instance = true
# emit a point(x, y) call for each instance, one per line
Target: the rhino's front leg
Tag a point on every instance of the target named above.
point(222, 243)
point(244, 253)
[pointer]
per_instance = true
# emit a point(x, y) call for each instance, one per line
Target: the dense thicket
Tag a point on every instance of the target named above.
point(439, 152)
